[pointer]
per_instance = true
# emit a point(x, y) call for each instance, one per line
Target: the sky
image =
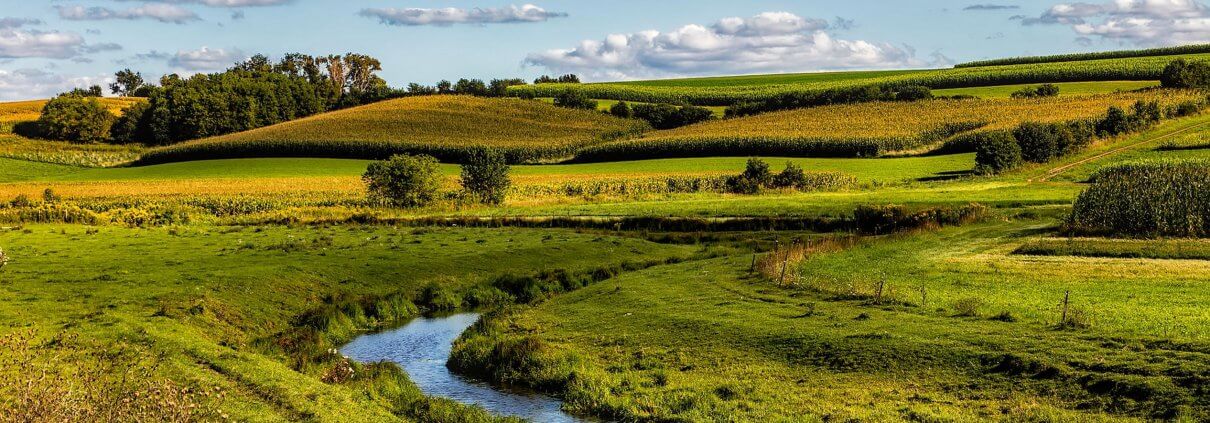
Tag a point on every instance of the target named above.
point(50, 46)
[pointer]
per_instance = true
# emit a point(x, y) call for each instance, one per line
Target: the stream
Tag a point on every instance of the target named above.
point(422, 348)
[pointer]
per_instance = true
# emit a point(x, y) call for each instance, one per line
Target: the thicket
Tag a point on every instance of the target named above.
point(1185, 74)
point(801, 99)
point(485, 177)
point(1146, 199)
point(996, 152)
point(572, 99)
point(73, 118)
point(667, 116)
point(563, 79)
point(1044, 90)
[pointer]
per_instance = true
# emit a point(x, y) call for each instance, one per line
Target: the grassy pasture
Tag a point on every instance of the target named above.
point(443, 126)
point(1175, 249)
point(1065, 88)
point(703, 91)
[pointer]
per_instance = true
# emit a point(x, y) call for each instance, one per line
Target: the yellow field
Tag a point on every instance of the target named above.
point(900, 120)
point(91, 155)
point(454, 121)
point(24, 111)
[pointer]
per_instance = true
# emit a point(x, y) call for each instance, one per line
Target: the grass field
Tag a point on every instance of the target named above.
point(1065, 88)
point(443, 126)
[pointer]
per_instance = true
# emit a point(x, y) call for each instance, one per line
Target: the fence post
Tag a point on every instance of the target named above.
point(878, 295)
point(924, 297)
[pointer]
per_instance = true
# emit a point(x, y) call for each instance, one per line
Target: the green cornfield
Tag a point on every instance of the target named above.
point(1146, 199)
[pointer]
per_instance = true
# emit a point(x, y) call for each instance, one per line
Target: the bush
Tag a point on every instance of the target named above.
point(403, 181)
point(791, 177)
point(756, 176)
point(485, 176)
point(574, 99)
point(1115, 122)
point(996, 152)
point(666, 116)
point(1185, 74)
point(1044, 90)
point(1039, 142)
point(621, 110)
point(1160, 198)
point(914, 93)
point(968, 307)
point(75, 119)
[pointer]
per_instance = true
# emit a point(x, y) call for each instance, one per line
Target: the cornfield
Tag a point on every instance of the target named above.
point(867, 129)
point(446, 127)
point(1146, 199)
point(1118, 69)
point(85, 155)
point(1120, 54)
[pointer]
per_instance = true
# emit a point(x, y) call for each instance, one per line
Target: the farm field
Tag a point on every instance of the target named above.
point(927, 261)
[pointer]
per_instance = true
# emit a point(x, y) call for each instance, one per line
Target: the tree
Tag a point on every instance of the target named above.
point(913, 93)
point(255, 64)
point(445, 87)
point(75, 119)
point(403, 180)
point(93, 91)
point(485, 176)
point(791, 177)
point(622, 110)
point(996, 152)
point(473, 87)
point(756, 176)
point(126, 82)
point(1039, 142)
point(574, 99)
point(132, 126)
point(499, 87)
point(360, 72)
point(1181, 73)
point(565, 79)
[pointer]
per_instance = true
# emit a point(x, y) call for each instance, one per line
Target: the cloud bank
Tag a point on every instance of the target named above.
point(17, 43)
point(205, 59)
point(156, 11)
point(1141, 22)
point(527, 13)
point(768, 42)
point(24, 84)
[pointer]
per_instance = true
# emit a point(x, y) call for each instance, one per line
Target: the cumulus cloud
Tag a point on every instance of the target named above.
point(11, 23)
point(17, 43)
point(768, 42)
point(452, 15)
point(206, 59)
point(1142, 22)
point(157, 11)
point(991, 7)
point(24, 84)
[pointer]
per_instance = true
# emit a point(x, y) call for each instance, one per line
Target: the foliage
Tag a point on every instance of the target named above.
point(93, 91)
point(996, 152)
point(446, 127)
point(666, 116)
point(1044, 90)
point(1146, 199)
point(75, 119)
point(621, 110)
point(575, 100)
point(403, 181)
point(564, 79)
point(127, 83)
point(485, 177)
point(1120, 54)
point(1118, 248)
point(913, 93)
point(1186, 74)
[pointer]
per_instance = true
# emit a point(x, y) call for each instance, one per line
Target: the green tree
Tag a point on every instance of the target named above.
point(485, 177)
point(574, 99)
point(1181, 73)
point(75, 119)
point(403, 181)
point(622, 110)
point(790, 177)
point(996, 152)
point(126, 82)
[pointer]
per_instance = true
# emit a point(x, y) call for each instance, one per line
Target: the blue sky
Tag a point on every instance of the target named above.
point(48, 46)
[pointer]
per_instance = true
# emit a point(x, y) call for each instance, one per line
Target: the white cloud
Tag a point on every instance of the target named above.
point(11, 23)
point(16, 43)
point(1142, 22)
point(768, 42)
point(206, 59)
point(223, 3)
point(158, 11)
point(26, 84)
point(451, 15)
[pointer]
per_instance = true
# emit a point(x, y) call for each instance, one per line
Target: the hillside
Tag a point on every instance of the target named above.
point(443, 126)
point(729, 90)
point(866, 129)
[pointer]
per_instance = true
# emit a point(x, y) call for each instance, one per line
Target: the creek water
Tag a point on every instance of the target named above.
point(422, 347)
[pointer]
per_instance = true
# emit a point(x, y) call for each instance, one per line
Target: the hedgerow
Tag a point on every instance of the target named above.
point(1146, 199)
point(1121, 54)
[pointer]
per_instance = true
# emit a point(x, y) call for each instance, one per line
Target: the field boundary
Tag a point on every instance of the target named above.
point(1063, 168)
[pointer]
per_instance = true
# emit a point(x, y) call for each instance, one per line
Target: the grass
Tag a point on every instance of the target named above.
point(1177, 249)
point(1065, 88)
point(445, 126)
point(705, 341)
point(205, 299)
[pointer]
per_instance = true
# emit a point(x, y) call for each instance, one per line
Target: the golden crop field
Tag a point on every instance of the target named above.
point(91, 155)
point(24, 111)
point(443, 126)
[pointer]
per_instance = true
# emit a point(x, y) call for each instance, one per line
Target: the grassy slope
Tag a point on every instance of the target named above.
point(1065, 88)
point(204, 296)
point(17, 147)
point(705, 341)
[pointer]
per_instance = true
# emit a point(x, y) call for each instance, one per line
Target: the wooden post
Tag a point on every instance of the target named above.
point(785, 258)
point(924, 297)
point(1066, 296)
point(878, 295)
point(752, 269)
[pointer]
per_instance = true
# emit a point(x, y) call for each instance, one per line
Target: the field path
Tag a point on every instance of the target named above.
point(1060, 169)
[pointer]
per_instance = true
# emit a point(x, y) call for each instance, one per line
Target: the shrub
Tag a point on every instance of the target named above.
point(666, 116)
point(75, 119)
point(996, 152)
point(914, 93)
point(1039, 142)
point(574, 99)
point(1154, 198)
point(755, 177)
point(791, 177)
point(621, 110)
point(403, 180)
point(1181, 73)
point(1115, 122)
point(49, 196)
point(485, 176)
point(1044, 90)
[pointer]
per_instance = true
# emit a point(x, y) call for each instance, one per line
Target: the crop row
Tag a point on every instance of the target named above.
point(1120, 54)
point(1132, 68)
point(1146, 199)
